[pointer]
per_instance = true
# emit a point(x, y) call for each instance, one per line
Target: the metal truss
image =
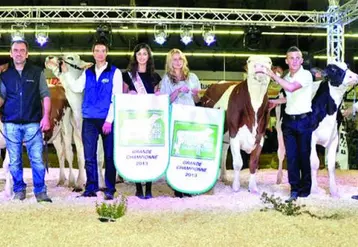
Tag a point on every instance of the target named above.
point(335, 35)
point(165, 15)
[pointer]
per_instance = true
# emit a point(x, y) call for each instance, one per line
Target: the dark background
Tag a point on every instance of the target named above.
point(225, 43)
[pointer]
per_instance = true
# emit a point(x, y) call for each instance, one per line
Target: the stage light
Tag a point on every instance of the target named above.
point(208, 35)
point(252, 38)
point(41, 34)
point(17, 32)
point(160, 34)
point(104, 33)
point(186, 35)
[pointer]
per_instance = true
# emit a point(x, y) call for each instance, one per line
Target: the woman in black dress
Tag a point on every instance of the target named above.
point(141, 78)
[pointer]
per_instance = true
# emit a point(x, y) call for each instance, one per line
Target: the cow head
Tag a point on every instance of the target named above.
point(73, 61)
point(338, 75)
point(257, 67)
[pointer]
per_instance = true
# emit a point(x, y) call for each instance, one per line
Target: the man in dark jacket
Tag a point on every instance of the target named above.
point(26, 112)
point(98, 84)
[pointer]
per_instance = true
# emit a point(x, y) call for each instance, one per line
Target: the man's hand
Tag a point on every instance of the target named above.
point(64, 68)
point(45, 123)
point(107, 128)
point(132, 92)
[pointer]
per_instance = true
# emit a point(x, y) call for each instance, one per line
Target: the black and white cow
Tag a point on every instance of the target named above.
point(326, 118)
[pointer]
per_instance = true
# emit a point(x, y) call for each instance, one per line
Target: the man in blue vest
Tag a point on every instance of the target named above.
point(26, 114)
point(99, 84)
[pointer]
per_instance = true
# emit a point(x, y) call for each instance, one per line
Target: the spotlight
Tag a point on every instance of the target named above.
point(252, 38)
point(160, 34)
point(208, 35)
point(41, 34)
point(186, 35)
point(104, 33)
point(17, 32)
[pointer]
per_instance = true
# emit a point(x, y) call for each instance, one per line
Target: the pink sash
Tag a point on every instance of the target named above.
point(138, 83)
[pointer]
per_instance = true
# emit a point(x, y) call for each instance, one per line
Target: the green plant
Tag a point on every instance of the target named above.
point(291, 208)
point(112, 211)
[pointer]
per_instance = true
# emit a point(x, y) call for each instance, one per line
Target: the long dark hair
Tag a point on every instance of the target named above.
point(133, 64)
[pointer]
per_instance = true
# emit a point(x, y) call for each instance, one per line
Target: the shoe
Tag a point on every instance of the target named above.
point(21, 195)
point(293, 197)
point(148, 196)
point(187, 195)
point(88, 194)
point(108, 196)
point(355, 197)
point(178, 194)
point(42, 197)
point(139, 195)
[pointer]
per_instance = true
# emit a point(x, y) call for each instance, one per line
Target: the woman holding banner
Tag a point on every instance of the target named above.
point(180, 84)
point(141, 78)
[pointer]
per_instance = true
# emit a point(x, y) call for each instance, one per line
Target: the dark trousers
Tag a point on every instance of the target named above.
point(297, 135)
point(91, 129)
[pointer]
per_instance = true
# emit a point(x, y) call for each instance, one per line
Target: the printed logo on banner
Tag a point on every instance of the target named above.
point(141, 128)
point(194, 140)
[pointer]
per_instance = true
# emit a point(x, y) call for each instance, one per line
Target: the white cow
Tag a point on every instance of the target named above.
point(247, 114)
point(325, 108)
point(75, 68)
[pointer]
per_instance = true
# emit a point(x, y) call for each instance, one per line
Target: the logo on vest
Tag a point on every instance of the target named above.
point(105, 80)
point(30, 80)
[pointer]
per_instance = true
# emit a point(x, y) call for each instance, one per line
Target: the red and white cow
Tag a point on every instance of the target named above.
point(247, 115)
point(75, 68)
point(326, 118)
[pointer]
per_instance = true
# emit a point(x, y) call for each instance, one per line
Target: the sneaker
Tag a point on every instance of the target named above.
point(108, 196)
point(293, 197)
point(88, 194)
point(355, 197)
point(21, 195)
point(42, 197)
point(139, 195)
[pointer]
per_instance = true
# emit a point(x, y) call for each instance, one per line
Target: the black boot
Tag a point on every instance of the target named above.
point(178, 194)
point(139, 192)
point(148, 190)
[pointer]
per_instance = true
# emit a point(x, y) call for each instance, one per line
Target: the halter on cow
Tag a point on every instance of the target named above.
point(247, 115)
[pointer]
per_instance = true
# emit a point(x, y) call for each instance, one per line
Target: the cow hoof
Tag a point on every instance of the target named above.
point(120, 180)
point(335, 195)
point(279, 181)
point(254, 192)
point(77, 189)
point(236, 188)
point(61, 183)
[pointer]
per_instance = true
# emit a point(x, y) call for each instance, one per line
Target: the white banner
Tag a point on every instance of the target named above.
point(141, 134)
point(195, 151)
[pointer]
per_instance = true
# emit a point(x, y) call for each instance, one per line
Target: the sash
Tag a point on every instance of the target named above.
point(138, 83)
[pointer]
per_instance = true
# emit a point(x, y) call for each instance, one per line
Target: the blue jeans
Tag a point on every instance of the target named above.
point(297, 136)
point(91, 129)
point(32, 137)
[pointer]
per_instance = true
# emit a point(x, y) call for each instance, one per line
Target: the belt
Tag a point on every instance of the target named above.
point(298, 116)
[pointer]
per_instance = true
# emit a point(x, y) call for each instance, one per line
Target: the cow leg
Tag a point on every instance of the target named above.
point(314, 160)
point(67, 132)
point(224, 151)
point(281, 152)
point(331, 153)
point(237, 162)
point(8, 178)
point(100, 162)
point(254, 161)
point(81, 178)
point(58, 144)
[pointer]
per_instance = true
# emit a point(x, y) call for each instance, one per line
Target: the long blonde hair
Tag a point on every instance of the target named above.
point(169, 67)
